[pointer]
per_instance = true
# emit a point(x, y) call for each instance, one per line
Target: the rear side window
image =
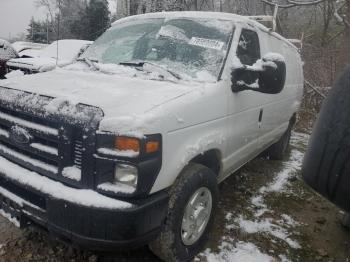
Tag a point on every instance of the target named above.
point(248, 50)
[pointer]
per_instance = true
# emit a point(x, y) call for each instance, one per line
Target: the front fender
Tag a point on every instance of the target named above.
point(181, 146)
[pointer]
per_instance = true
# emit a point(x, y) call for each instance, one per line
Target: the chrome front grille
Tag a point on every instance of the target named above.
point(38, 151)
point(45, 150)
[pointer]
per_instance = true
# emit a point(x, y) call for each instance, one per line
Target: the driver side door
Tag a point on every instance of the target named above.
point(245, 110)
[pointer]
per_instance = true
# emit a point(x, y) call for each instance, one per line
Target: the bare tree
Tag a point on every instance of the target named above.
point(51, 7)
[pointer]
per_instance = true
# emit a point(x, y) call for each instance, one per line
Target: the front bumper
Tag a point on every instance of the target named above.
point(82, 217)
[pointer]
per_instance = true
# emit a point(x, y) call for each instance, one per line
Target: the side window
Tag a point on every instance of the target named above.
point(248, 50)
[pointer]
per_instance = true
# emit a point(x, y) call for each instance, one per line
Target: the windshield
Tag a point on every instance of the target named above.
point(187, 46)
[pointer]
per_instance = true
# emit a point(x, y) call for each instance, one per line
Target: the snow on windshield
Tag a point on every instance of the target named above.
point(189, 47)
point(67, 49)
point(172, 32)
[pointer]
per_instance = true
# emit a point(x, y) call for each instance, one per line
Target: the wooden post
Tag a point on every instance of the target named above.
point(47, 28)
point(344, 51)
point(58, 28)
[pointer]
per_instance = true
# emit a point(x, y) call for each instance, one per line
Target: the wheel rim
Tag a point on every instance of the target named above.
point(196, 216)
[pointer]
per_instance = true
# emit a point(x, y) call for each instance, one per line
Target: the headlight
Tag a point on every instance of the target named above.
point(126, 174)
point(127, 166)
point(125, 180)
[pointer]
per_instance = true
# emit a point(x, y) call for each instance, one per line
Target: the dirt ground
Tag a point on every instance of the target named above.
point(265, 206)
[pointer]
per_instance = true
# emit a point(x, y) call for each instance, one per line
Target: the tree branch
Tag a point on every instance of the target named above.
point(49, 6)
point(341, 19)
point(292, 3)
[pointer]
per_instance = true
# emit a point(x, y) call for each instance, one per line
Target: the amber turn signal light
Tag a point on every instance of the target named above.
point(127, 143)
point(152, 147)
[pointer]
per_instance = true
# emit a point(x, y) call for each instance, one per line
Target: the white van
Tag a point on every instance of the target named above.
point(127, 146)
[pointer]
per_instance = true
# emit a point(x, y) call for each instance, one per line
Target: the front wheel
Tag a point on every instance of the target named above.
point(192, 204)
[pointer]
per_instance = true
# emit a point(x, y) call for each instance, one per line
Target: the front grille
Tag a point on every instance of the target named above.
point(46, 152)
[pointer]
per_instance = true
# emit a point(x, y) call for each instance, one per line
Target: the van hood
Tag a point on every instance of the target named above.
point(116, 95)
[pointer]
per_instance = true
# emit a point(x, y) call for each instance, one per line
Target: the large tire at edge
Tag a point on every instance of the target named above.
point(326, 166)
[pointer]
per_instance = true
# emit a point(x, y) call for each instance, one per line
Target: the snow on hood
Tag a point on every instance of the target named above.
point(20, 46)
point(125, 101)
point(29, 53)
point(36, 63)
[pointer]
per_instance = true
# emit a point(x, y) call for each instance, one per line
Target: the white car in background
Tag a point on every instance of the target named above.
point(28, 49)
point(66, 52)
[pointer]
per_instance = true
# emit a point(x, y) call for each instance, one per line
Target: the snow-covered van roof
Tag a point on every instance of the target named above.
point(207, 15)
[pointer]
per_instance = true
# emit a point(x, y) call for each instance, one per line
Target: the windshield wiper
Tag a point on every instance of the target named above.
point(142, 63)
point(90, 62)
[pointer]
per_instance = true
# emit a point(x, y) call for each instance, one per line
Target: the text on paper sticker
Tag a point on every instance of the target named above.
point(206, 43)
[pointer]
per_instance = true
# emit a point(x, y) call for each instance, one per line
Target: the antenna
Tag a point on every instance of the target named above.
point(58, 28)
point(32, 29)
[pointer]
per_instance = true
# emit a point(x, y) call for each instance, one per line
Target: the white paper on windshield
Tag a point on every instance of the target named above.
point(206, 43)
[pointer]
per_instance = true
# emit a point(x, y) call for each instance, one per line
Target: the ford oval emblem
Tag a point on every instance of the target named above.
point(20, 135)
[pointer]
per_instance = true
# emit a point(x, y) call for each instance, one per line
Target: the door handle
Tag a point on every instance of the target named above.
point(261, 115)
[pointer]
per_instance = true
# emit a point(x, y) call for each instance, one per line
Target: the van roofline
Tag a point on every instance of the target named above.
point(189, 14)
point(205, 14)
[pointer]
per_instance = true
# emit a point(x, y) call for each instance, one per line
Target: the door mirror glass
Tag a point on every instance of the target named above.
point(267, 75)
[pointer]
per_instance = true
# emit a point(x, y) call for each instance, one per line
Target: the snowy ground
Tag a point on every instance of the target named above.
point(266, 213)
point(259, 218)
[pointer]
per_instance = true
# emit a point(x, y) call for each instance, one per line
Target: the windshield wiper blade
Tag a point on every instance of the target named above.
point(174, 74)
point(142, 63)
point(90, 62)
point(135, 64)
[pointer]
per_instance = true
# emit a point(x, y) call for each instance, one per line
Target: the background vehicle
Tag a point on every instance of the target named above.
point(68, 51)
point(6, 53)
point(28, 49)
point(156, 112)
point(326, 164)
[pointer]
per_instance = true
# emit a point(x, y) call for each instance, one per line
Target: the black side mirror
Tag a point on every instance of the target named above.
point(267, 75)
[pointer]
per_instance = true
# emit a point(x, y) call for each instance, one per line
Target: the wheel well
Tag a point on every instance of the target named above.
point(211, 159)
point(293, 120)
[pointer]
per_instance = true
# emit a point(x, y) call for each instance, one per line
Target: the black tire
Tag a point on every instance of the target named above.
point(169, 245)
point(279, 150)
point(326, 166)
